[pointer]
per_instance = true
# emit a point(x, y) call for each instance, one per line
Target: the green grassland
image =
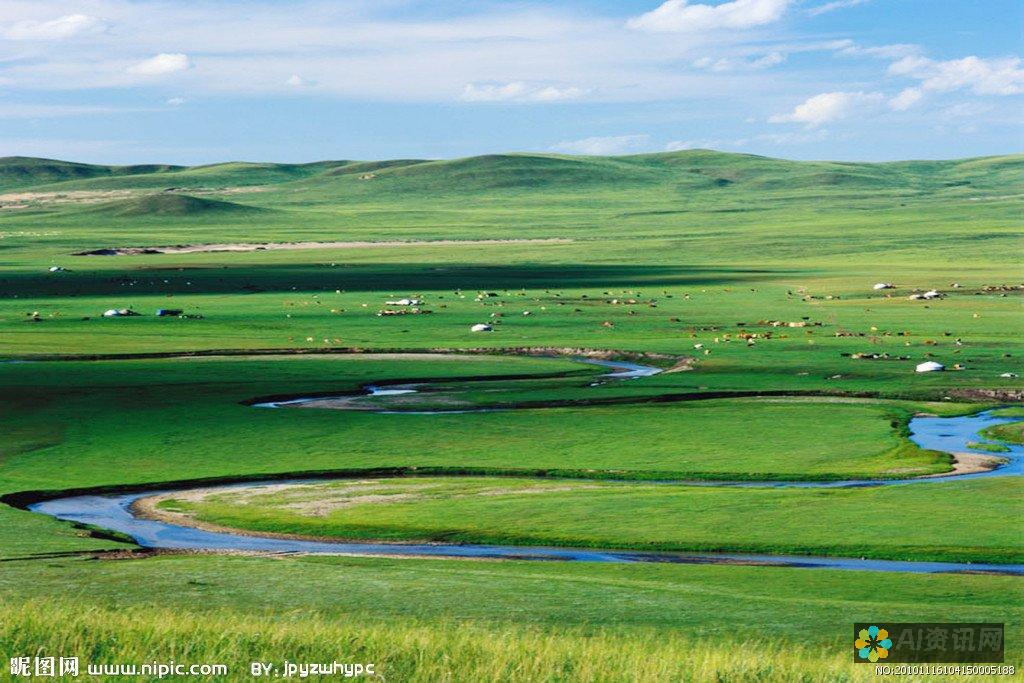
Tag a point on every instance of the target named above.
point(105, 423)
point(1012, 432)
point(904, 522)
point(1013, 411)
point(429, 619)
point(990, 447)
point(681, 254)
point(160, 418)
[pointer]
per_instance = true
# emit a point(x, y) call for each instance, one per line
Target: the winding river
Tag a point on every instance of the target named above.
point(115, 512)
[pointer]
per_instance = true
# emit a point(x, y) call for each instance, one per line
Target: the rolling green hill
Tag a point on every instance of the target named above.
point(181, 205)
point(54, 176)
point(684, 171)
point(712, 205)
point(28, 171)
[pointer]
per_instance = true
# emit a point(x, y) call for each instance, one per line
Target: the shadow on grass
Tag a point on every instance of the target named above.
point(408, 277)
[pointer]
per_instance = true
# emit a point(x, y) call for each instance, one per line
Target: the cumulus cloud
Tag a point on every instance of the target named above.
point(55, 29)
point(163, 63)
point(998, 76)
point(674, 16)
point(371, 52)
point(907, 98)
point(518, 91)
point(828, 106)
point(615, 144)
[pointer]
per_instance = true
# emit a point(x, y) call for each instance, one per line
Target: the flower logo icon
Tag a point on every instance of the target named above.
point(872, 643)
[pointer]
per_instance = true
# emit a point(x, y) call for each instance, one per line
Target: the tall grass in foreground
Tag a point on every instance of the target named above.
point(406, 650)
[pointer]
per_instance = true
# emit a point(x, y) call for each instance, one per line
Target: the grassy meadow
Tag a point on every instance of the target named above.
point(757, 272)
point(430, 619)
point(548, 594)
point(903, 522)
point(1012, 432)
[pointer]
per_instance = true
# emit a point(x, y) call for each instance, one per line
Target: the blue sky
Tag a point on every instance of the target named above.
point(129, 81)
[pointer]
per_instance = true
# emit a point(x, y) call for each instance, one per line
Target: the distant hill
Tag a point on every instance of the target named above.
point(683, 171)
point(23, 172)
point(172, 205)
point(679, 174)
point(27, 171)
point(249, 173)
point(518, 171)
point(365, 167)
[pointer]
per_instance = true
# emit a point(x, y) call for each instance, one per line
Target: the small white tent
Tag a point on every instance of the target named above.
point(930, 366)
point(480, 327)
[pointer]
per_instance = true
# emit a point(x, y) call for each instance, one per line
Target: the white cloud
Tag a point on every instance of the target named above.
point(518, 91)
point(676, 16)
point(55, 29)
point(176, 101)
point(553, 94)
point(163, 63)
point(891, 51)
point(616, 144)
point(906, 99)
point(371, 51)
point(828, 106)
point(997, 76)
point(831, 6)
point(531, 53)
point(728, 64)
point(770, 59)
point(489, 92)
point(965, 110)
point(787, 139)
point(704, 143)
point(718, 65)
point(297, 81)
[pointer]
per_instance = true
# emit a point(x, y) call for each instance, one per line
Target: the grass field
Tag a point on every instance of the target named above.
point(1012, 432)
point(906, 522)
point(759, 270)
point(428, 618)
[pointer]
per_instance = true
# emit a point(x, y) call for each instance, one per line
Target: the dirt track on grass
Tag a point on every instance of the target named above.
point(273, 246)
